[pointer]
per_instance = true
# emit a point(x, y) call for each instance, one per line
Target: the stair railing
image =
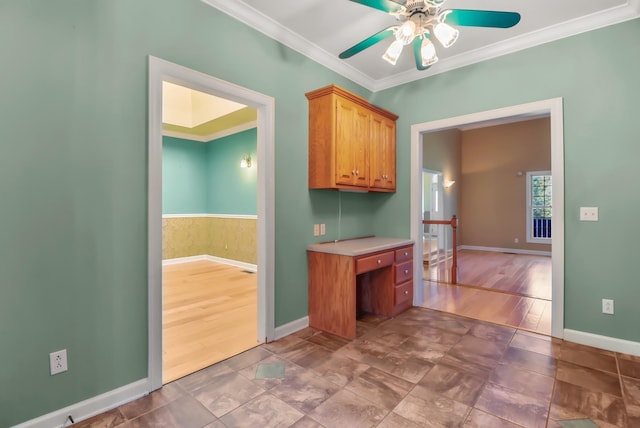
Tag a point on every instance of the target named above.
point(454, 244)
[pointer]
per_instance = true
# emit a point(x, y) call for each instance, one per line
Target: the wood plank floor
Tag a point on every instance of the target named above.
point(507, 289)
point(522, 312)
point(522, 274)
point(209, 314)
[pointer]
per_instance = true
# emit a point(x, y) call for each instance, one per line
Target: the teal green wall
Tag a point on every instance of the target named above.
point(73, 174)
point(206, 177)
point(596, 75)
point(231, 189)
point(73, 182)
point(184, 176)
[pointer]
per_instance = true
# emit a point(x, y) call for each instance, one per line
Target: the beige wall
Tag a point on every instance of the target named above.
point(492, 194)
point(442, 152)
point(229, 238)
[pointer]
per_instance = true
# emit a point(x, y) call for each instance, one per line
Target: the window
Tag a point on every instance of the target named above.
point(539, 209)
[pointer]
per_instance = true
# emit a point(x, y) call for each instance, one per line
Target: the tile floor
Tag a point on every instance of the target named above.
point(422, 369)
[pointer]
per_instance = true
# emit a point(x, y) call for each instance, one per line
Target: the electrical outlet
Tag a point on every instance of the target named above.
point(607, 306)
point(588, 213)
point(58, 361)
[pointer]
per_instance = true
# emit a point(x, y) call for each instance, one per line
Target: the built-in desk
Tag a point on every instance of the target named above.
point(355, 276)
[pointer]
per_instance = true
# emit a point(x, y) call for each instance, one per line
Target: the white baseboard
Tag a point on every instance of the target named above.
point(90, 407)
point(243, 265)
point(291, 327)
point(602, 342)
point(179, 260)
point(247, 266)
point(505, 250)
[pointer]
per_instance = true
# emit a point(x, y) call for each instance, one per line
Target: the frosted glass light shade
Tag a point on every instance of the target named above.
point(446, 34)
point(406, 32)
point(428, 53)
point(393, 52)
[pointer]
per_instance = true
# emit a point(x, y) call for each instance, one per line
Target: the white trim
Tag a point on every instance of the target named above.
point(552, 108)
point(159, 71)
point(238, 216)
point(90, 407)
point(603, 342)
point(244, 265)
point(246, 14)
point(232, 130)
point(243, 12)
point(213, 136)
point(505, 250)
point(237, 263)
point(180, 260)
point(291, 327)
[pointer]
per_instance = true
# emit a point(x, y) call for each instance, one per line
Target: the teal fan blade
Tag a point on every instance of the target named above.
point(383, 5)
point(366, 43)
point(482, 18)
point(417, 45)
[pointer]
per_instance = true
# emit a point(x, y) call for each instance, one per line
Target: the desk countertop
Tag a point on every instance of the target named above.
point(359, 246)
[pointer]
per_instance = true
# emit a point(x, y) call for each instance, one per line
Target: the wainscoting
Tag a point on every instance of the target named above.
point(225, 236)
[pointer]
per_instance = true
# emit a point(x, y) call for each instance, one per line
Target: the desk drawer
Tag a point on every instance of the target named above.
point(403, 293)
point(403, 254)
point(365, 264)
point(404, 272)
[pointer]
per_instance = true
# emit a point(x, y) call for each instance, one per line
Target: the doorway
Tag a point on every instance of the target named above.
point(163, 71)
point(550, 108)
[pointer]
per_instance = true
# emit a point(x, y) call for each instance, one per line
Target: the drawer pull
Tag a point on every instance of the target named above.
point(406, 253)
point(406, 292)
point(406, 271)
point(379, 261)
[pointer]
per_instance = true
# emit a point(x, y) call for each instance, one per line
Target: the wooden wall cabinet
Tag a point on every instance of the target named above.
point(352, 144)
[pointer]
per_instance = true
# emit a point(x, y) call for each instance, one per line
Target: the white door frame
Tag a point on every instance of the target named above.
point(553, 109)
point(159, 71)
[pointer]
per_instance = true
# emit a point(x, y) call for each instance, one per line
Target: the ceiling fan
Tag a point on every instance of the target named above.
point(419, 20)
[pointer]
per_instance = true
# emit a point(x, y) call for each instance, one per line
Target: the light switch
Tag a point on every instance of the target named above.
point(588, 213)
point(323, 229)
point(316, 230)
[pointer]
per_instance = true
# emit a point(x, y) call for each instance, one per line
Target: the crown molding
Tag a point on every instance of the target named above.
point(211, 137)
point(260, 22)
point(274, 30)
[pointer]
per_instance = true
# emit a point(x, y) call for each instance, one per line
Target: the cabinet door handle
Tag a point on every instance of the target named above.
point(357, 172)
point(406, 253)
point(353, 172)
point(406, 292)
point(379, 261)
point(406, 271)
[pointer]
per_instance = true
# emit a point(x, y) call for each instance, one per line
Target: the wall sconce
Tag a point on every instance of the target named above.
point(448, 183)
point(245, 162)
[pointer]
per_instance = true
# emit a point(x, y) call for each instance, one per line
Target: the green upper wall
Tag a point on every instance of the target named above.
point(596, 75)
point(73, 174)
point(185, 173)
point(206, 178)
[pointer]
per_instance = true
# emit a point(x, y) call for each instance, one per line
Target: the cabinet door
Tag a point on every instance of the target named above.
point(352, 143)
point(382, 153)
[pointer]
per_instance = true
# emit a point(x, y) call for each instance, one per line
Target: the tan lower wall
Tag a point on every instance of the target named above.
point(229, 238)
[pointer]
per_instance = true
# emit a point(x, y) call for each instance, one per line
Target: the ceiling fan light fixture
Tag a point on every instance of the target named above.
point(428, 53)
point(393, 52)
point(406, 32)
point(446, 34)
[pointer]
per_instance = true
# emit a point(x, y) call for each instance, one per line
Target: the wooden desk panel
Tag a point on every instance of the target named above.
point(342, 286)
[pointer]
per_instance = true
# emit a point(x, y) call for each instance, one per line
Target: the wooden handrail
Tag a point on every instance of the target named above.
point(454, 263)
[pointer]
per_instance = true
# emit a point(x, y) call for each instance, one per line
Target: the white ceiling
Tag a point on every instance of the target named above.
point(321, 29)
